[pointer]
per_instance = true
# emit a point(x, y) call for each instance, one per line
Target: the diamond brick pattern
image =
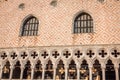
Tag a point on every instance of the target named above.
point(56, 25)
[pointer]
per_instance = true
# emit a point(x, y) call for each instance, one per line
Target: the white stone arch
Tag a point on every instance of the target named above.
point(79, 12)
point(81, 61)
point(57, 61)
point(96, 58)
point(24, 19)
point(46, 62)
point(4, 62)
point(36, 60)
point(25, 62)
point(75, 60)
point(110, 59)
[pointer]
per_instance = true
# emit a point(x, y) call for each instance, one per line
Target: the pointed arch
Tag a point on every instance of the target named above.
point(49, 70)
point(97, 71)
point(110, 71)
point(84, 70)
point(38, 70)
point(60, 70)
point(6, 70)
point(27, 70)
point(16, 70)
point(72, 70)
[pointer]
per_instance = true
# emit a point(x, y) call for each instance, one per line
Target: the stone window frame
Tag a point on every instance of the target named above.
point(87, 28)
point(34, 30)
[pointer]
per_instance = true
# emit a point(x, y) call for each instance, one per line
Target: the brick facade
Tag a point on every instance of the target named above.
point(56, 41)
point(56, 23)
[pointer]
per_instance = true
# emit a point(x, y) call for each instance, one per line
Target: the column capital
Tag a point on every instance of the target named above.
point(90, 66)
point(54, 67)
point(43, 66)
point(22, 67)
point(12, 67)
point(116, 67)
point(32, 67)
point(103, 67)
point(66, 66)
point(1, 67)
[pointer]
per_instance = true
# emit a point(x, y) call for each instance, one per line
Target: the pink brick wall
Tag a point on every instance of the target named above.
point(56, 23)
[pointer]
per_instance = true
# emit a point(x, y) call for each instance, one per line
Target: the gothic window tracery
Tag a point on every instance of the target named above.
point(13, 55)
point(55, 54)
point(102, 53)
point(3, 55)
point(24, 55)
point(90, 53)
point(44, 54)
point(34, 55)
point(78, 54)
point(115, 53)
point(66, 54)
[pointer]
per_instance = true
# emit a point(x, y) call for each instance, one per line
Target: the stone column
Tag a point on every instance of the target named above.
point(21, 74)
point(116, 73)
point(1, 72)
point(90, 73)
point(43, 72)
point(78, 73)
point(32, 72)
point(103, 73)
point(54, 75)
point(66, 72)
point(11, 72)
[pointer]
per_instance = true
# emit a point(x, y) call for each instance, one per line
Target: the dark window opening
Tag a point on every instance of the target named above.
point(83, 23)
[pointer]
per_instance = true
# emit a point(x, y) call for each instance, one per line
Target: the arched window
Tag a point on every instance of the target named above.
point(30, 27)
point(83, 23)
